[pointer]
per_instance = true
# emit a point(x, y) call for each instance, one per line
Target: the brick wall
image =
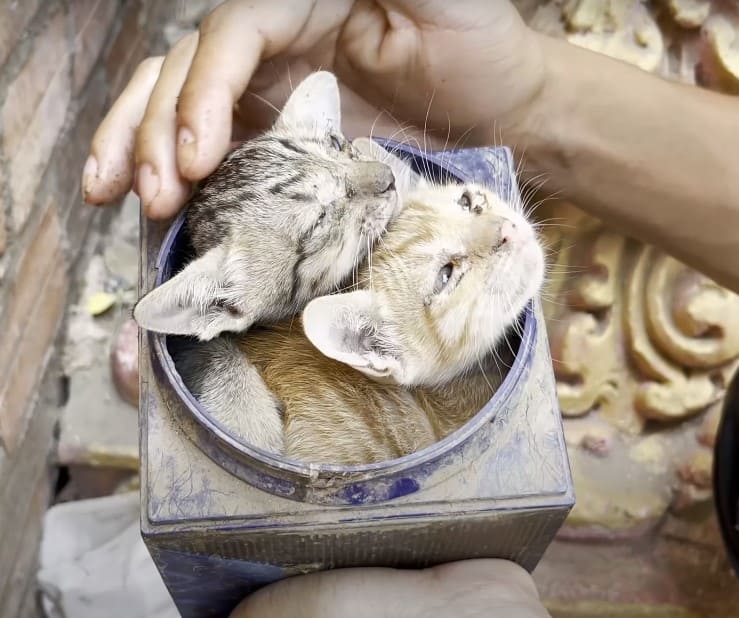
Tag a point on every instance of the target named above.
point(61, 65)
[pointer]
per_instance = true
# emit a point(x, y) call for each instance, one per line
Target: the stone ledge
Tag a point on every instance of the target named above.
point(98, 427)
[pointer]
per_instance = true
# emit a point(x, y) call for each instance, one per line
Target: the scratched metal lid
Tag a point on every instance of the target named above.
point(336, 485)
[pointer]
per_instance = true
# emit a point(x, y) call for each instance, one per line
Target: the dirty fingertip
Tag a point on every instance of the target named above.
point(167, 203)
point(104, 182)
point(89, 177)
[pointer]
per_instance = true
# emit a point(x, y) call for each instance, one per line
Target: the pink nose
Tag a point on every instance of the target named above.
point(508, 232)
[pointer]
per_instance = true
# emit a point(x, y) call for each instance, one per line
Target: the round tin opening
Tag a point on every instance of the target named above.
point(332, 484)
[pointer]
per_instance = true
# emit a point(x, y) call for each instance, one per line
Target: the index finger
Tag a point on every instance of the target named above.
point(234, 39)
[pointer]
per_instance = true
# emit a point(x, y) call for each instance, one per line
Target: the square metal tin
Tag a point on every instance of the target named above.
point(498, 488)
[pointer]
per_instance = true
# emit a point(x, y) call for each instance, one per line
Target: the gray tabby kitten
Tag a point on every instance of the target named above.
point(286, 217)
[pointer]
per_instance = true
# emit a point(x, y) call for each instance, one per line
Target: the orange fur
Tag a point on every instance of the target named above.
point(336, 415)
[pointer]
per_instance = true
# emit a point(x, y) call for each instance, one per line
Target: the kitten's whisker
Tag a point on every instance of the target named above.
point(374, 123)
point(462, 137)
point(289, 78)
point(484, 375)
point(266, 102)
point(534, 205)
point(554, 220)
point(448, 130)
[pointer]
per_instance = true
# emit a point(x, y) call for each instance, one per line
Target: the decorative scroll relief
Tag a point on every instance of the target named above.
point(620, 28)
point(694, 41)
point(584, 336)
point(720, 57)
point(635, 334)
point(668, 391)
point(643, 346)
point(688, 13)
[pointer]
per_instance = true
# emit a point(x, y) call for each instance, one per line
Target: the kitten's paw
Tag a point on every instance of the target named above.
point(268, 432)
point(233, 392)
point(249, 411)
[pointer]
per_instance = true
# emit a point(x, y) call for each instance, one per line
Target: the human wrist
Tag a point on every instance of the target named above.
point(634, 149)
point(539, 131)
point(535, 128)
point(574, 129)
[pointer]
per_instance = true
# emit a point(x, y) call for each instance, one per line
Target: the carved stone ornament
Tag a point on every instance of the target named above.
point(643, 346)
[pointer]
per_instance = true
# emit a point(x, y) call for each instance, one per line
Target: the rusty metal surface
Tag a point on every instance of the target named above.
point(498, 487)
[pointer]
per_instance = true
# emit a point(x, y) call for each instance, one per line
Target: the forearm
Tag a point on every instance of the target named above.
point(655, 159)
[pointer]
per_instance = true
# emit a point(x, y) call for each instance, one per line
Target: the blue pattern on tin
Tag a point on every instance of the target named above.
point(229, 581)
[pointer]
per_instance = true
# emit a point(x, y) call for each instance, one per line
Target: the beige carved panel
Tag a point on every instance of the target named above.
point(643, 346)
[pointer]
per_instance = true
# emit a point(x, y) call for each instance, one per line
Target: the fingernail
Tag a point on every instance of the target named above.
point(147, 184)
point(89, 176)
point(186, 148)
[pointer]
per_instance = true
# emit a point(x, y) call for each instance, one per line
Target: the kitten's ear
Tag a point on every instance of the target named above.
point(345, 327)
point(314, 104)
point(406, 179)
point(195, 301)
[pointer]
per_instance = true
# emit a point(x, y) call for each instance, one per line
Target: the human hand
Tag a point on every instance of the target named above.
point(465, 589)
point(447, 67)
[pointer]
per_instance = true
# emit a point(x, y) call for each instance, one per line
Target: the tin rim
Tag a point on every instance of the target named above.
point(328, 483)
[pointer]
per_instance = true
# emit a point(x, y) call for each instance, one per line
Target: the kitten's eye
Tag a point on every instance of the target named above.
point(336, 143)
point(465, 201)
point(442, 279)
point(321, 217)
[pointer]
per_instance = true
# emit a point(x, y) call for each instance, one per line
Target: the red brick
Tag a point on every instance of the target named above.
point(68, 159)
point(21, 475)
point(25, 563)
point(44, 147)
point(43, 245)
point(15, 18)
point(92, 21)
point(27, 90)
point(71, 153)
point(32, 354)
point(32, 157)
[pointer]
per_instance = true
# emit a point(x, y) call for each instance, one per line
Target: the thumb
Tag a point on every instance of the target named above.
point(466, 589)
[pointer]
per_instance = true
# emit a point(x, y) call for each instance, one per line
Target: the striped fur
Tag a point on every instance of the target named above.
point(286, 216)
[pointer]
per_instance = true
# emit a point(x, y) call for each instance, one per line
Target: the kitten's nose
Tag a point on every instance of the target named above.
point(508, 232)
point(372, 178)
point(385, 180)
